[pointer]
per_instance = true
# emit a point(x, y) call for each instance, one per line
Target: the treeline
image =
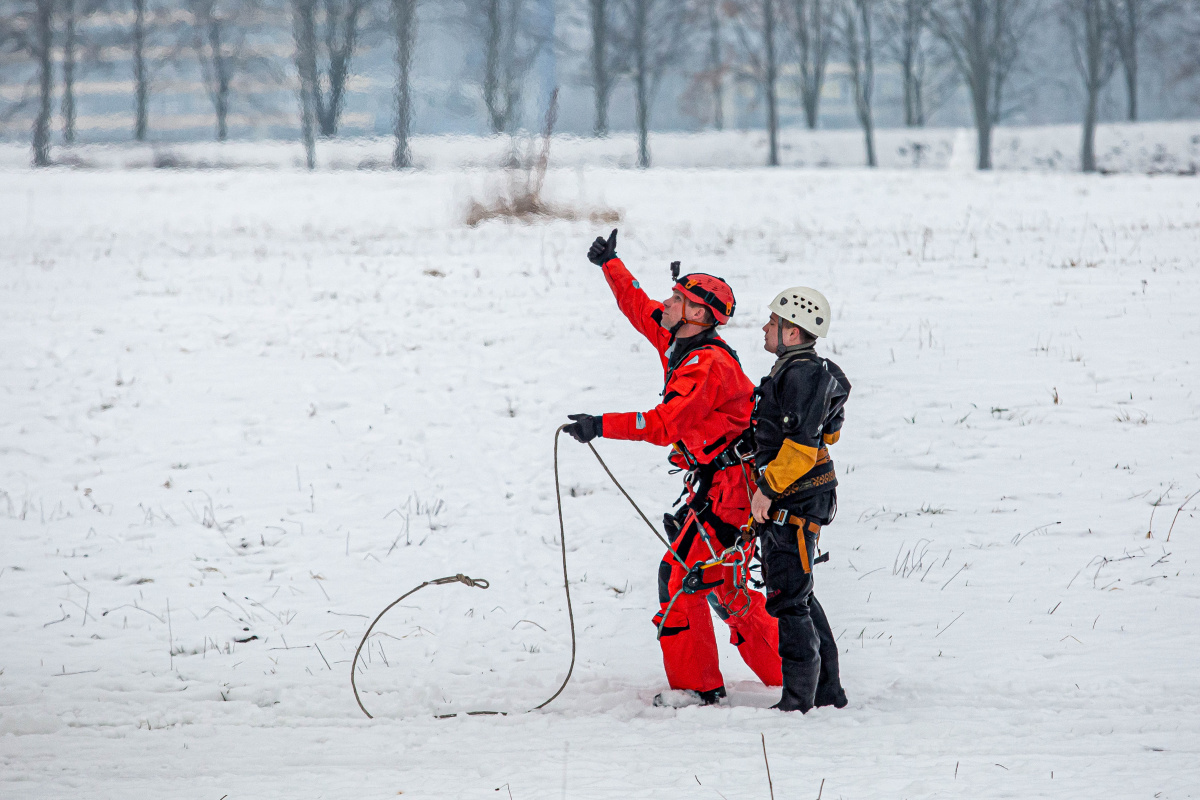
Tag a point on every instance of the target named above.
point(938, 48)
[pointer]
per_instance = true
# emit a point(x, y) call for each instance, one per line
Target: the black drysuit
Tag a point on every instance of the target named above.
point(798, 413)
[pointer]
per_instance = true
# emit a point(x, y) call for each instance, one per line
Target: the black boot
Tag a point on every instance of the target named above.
point(799, 686)
point(826, 696)
point(829, 685)
point(798, 645)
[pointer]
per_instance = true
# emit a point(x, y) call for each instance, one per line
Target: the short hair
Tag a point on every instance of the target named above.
point(805, 336)
point(708, 317)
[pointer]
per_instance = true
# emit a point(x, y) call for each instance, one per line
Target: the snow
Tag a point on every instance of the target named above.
point(1168, 147)
point(263, 403)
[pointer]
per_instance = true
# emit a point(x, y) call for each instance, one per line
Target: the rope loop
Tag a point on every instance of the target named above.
point(479, 583)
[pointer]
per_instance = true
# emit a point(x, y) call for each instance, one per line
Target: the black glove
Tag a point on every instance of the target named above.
point(585, 427)
point(602, 251)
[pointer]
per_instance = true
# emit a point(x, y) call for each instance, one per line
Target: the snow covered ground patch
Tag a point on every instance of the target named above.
point(241, 412)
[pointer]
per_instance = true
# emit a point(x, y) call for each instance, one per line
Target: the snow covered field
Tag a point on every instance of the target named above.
point(1169, 147)
point(241, 412)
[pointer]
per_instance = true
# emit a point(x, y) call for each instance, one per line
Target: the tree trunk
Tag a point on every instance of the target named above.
point(1131, 90)
point(45, 42)
point(221, 80)
point(404, 18)
point(809, 17)
point(1095, 72)
point(906, 70)
point(1130, 60)
point(715, 65)
point(601, 80)
point(141, 88)
point(491, 77)
point(867, 85)
point(1087, 155)
point(772, 69)
point(912, 29)
point(304, 32)
point(329, 114)
point(983, 141)
point(68, 99)
point(641, 99)
point(307, 126)
point(860, 53)
point(918, 105)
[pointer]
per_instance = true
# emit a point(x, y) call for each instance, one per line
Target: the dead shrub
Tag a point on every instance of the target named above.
point(521, 200)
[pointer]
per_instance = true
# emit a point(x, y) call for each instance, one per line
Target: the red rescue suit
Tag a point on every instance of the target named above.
point(707, 402)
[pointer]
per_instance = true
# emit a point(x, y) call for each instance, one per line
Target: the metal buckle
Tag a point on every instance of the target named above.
point(737, 443)
point(780, 517)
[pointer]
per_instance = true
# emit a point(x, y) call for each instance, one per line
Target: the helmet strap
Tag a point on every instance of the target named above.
point(780, 347)
point(683, 320)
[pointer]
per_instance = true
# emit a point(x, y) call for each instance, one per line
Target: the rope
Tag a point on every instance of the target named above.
point(617, 483)
point(562, 540)
point(459, 578)
point(481, 583)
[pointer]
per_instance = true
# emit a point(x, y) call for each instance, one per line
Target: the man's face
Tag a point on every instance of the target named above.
point(673, 308)
point(791, 336)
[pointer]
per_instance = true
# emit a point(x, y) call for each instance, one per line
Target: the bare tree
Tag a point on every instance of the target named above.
point(855, 18)
point(652, 33)
point(325, 45)
point(42, 47)
point(715, 65)
point(756, 24)
point(602, 66)
point(141, 78)
point(27, 39)
point(154, 42)
point(224, 36)
point(304, 33)
point(810, 23)
point(1129, 20)
point(906, 40)
point(1189, 30)
point(1089, 25)
point(67, 107)
point(510, 44)
point(983, 38)
point(78, 52)
point(404, 22)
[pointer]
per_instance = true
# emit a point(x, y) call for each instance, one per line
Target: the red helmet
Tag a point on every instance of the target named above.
point(709, 291)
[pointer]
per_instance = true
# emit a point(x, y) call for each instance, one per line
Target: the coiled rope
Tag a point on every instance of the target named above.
point(481, 583)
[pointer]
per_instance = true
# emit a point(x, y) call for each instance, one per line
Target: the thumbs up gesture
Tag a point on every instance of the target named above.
point(603, 250)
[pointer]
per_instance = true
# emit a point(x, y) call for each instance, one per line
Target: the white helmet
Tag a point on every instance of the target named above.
point(804, 307)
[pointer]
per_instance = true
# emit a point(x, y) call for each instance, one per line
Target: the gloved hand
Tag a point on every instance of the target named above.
point(585, 427)
point(602, 251)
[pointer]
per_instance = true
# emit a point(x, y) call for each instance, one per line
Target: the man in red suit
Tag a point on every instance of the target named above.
point(704, 414)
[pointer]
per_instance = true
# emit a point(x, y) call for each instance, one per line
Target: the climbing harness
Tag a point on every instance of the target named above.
point(738, 555)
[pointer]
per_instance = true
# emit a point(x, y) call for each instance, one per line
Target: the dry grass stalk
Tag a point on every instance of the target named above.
point(523, 201)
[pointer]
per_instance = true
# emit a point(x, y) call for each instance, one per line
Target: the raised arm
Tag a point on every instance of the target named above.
point(634, 303)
